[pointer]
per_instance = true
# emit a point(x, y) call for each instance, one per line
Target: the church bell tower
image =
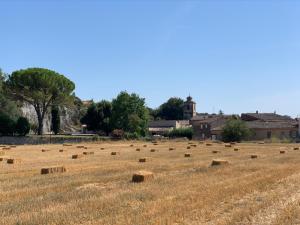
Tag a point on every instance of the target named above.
point(189, 108)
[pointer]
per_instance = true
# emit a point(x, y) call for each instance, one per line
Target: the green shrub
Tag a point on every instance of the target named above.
point(132, 136)
point(235, 130)
point(7, 125)
point(181, 132)
point(22, 126)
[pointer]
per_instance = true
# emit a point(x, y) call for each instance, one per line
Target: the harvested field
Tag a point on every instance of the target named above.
point(99, 189)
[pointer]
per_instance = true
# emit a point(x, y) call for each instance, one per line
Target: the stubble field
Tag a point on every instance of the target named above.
point(97, 188)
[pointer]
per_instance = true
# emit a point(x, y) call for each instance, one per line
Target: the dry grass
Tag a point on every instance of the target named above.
point(99, 190)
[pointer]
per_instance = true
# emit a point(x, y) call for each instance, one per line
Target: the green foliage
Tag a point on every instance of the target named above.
point(130, 114)
point(7, 125)
point(7, 106)
point(55, 120)
point(40, 88)
point(171, 110)
point(97, 117)
point(22, 126)
point(235, 130)
point(181, 132)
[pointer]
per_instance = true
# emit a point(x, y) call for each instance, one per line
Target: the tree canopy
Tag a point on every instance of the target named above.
point(171, 110)
point(97, 117)
point(41, 88)
point(130, 114)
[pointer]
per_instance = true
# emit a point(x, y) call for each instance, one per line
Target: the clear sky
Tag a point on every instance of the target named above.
point(238, 56)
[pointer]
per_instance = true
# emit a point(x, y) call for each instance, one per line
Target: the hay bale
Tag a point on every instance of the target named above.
point(282, 152)
point(208, 144)
point(138, 149)
point(115, 153)
point(2, 146)
point(45, 150)
point(216, 152)
point(171, 149)
point(219, 162)
point(6, 148)
point(143, 160)
point(80, 146)
point(155, 144)
point(2, 159)
point(13, 161)
point(142, 176)
point(236, 149)
point(296, 148)
point(228, 145)
point(187, 155)
point(102, 148)
point(67, 145)
point(145, 146)
point(88, 153)
point(2, 152)
point(61, 150)
point(53, 169)
point(254, 156)
point(195, 146)
point(152, 150)
point(188, 147)
point(131, 145)
point(77, 156)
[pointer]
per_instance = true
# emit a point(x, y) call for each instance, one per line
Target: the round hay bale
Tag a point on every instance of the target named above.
point(188, 147)
point(282, 152)
point(228, 145)
point(171, 149)
point(138, 149)
point(236, 149)
point(296, 148)
point(61, 150)
point(102, 148)
point(145, 146)
point(208, 144)
point(142, 176)
point(219, 162)
point(152, 150)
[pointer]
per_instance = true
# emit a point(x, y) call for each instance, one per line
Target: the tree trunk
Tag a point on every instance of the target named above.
point(41, 125)
point(40, 117)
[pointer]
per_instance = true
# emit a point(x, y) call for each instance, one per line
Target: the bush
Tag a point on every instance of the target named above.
point(117, 133)
point(181, 132)
point(235, 130)
point(132, 136)
point(7, 125)
point(22, 126)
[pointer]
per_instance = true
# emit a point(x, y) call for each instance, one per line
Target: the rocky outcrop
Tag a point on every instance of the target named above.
point(69, 118)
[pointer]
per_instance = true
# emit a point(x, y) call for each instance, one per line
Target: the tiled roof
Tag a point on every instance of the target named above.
point(162, 123)
point(265, 117)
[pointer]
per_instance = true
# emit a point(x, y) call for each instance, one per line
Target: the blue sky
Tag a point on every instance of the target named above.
point(238, 56)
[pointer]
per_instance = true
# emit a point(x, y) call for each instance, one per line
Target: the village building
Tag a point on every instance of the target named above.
point(209, 126)
point(162, 127)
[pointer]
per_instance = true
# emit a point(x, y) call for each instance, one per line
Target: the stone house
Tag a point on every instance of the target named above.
point(161, 127)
